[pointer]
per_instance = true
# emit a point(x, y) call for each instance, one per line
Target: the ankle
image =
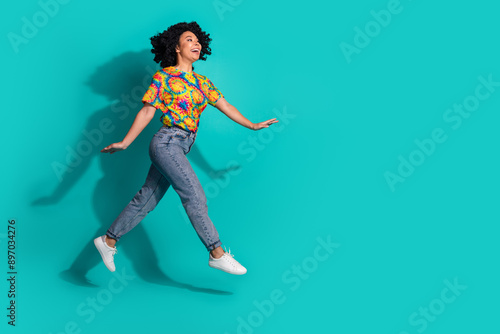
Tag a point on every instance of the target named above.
point(110, 241)
point(217, 252)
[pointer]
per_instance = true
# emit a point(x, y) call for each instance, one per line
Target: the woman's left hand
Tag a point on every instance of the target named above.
point(265, 124)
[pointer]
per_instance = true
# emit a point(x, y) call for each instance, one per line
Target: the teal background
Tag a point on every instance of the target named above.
point(321, 175)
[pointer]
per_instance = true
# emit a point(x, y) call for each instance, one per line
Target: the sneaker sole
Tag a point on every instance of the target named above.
point(224, 270)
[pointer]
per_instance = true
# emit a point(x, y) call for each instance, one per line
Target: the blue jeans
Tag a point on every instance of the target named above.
point(169, 166)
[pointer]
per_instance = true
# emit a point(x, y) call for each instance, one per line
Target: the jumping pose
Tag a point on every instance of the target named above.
point(181, 95)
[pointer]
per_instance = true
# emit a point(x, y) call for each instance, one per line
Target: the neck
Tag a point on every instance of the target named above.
point(184, 65)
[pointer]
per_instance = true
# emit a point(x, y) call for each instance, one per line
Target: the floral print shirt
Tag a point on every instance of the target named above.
point(181, 96)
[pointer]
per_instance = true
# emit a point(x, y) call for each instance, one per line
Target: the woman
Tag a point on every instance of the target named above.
point(181, 95)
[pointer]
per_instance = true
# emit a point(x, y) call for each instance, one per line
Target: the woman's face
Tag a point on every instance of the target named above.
point(189, 48)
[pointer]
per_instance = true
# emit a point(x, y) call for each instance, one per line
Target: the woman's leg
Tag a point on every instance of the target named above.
point(167, 151)
point(171, 161)
point(144, 201)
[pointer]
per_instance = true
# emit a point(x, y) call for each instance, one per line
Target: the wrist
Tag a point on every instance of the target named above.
point(124, 144)
point(253, 126)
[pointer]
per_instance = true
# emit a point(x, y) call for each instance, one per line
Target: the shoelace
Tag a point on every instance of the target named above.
point(228, 252)
point(114, 250)
point(231, 259)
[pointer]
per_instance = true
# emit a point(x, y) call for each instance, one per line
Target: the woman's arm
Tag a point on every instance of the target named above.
point(233, 113)
point(143, 117)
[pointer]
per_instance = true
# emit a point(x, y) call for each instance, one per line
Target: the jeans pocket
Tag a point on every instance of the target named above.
point(158, 135)
point(159, 141)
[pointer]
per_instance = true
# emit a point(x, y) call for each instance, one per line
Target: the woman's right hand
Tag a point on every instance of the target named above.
point(114, 148)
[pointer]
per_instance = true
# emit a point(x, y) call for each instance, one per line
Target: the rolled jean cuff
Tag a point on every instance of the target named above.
point(111, 235)
point(214, 245)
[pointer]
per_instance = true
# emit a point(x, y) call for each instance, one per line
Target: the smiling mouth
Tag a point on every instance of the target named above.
point(195, 50)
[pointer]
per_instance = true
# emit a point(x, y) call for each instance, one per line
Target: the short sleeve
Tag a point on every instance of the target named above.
point(213, 93)
point(152, 95)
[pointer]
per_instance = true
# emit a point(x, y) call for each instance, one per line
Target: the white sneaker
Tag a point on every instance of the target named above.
point(107, 253)
point(226, 263)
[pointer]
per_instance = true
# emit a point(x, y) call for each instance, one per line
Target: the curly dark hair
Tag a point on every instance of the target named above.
point(164, 43)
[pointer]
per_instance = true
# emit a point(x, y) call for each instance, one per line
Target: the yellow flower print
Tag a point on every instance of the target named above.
point(177, 86)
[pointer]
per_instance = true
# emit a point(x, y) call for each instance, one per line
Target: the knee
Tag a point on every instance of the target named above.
point(202, 200)
point(197, 199)
point(145, 200)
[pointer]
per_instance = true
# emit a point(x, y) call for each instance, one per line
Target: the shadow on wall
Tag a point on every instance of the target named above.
point(123, 81)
